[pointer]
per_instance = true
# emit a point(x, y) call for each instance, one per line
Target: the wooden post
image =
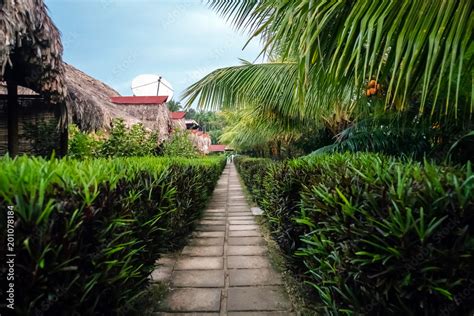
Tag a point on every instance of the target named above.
point(12, 114)
point(63, 133)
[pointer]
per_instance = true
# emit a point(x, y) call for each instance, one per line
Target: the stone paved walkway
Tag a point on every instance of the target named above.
point(225, 269)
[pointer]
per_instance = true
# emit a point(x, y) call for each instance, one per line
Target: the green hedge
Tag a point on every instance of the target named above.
point(88, 233)
point(373, 235)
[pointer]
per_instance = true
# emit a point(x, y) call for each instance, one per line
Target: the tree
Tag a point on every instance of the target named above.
point(416, 49)
point(356, 58)
point(174, 106)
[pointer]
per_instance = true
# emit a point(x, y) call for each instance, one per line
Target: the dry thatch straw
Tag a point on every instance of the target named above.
point(90, 107)
point(30, 48)
point(89, 104)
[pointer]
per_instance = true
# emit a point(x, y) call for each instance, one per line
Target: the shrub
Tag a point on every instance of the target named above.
point(88, 233)
point(82, 145)
point(132, 142)
point(179, 145)
point(135, 141)
point(376, 235)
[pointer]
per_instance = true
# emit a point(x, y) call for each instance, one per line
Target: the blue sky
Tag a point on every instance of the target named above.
point(116, 40)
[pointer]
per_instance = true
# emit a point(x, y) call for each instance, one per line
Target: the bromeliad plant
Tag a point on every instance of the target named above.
point(88, 233)
point(373, 235)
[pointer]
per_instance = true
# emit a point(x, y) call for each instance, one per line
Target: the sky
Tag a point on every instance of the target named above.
point(116, 40)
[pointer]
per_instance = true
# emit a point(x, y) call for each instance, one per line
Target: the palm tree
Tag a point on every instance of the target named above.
point(415, 56)
point(174, 106)
point(413, 49)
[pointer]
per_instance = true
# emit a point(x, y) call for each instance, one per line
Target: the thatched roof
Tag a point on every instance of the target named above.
point(89, 102)
point(30, 48)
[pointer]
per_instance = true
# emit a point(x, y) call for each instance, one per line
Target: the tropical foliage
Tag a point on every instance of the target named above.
point(120, 141)
point(210, 122)
point(88, 232)
point(179, 145)
point(334, 63)
point(372, 235)
point(174, 106)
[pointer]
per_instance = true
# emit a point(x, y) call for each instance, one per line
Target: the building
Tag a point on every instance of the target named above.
point(217, 148)
point(201, 140)
point(179, 121)
point(32, 76)
point(150, 110)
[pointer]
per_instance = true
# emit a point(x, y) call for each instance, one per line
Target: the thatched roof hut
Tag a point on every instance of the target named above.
point(150, 110)
point(31, 49)
point(31, 61)
point(91, 105)
point(179, 121)
point(30, 56)
point(89, 102)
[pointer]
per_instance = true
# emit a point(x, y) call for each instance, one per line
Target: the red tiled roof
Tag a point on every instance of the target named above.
point(178, 115)
point(215, 148)
point(139, 100)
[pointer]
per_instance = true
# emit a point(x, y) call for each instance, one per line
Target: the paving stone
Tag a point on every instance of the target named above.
point(239, 209)
point(242, 227)
point(244, 233)
point(210, 228)
point(199, 263)
point(223, 219)
point(247, 277)
point(198, 278)
point(203, 251)
point(215, 210)
point(216, 205)
point(212, 222)
point(239, 214)
point(161, 274)
point(235, 203)
point(245, 241)
point(193, 300)
point(218, 216)
point(242, 218)
point(246, 250)
point(218, 201)
point(257, 298)
point(166, 261)
point(210, 234)
point(207, 241)
point(242, 222)
point(247, 262)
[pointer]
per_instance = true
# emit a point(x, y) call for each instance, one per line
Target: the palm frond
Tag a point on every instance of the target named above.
point(412, 48)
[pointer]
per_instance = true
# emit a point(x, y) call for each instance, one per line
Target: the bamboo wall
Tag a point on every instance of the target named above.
point(33, 110)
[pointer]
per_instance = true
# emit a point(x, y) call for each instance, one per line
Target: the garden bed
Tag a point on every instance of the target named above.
point(88, 233)
point(372, 234)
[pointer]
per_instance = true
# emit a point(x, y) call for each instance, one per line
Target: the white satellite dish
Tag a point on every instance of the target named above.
point(151, 85)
